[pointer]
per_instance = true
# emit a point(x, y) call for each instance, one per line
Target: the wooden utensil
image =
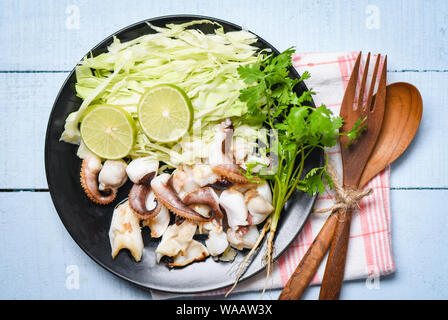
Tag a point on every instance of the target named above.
point(402, 116)
point(354, 160)
point(401, 120)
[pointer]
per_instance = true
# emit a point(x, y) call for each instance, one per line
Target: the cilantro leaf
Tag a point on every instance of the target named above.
point(358, 128)
point(250, 73)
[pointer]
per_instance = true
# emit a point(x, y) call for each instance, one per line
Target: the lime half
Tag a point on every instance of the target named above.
point(108, 131)
point(165, 113)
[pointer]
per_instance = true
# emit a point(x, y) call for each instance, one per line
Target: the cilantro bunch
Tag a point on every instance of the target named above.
point(299, 129)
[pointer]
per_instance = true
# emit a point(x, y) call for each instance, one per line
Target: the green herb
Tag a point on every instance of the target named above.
point(299, 129)
point(358, 128)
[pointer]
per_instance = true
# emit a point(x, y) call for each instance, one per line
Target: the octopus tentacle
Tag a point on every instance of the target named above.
point(231, 172)
point(168, 197)
point(89, 182)
point(137, 198)
point(221, 184)
point(205, 196)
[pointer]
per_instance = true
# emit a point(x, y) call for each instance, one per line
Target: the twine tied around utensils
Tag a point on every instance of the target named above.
point(346, 199)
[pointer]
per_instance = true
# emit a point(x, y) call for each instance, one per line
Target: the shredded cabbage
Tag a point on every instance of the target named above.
point(203, 65)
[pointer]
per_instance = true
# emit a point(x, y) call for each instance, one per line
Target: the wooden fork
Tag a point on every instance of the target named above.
point(336, 229)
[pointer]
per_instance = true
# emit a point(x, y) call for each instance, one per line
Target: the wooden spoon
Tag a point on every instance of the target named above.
point(401, 120)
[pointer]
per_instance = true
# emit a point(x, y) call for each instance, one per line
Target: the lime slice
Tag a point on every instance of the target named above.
point(108, 131)
point(165, 113)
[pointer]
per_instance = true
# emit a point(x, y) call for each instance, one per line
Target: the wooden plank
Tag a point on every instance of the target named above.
point(25, 104)
point(423, 164)
point(54, 35)
point(26, 100)
point(37, 250)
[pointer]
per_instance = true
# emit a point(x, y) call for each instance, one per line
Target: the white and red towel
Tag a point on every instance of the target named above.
point(370, 246)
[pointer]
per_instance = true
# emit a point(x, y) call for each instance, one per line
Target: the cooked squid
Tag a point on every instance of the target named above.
point(125, 232)
point(101, 183)
point(159, 223)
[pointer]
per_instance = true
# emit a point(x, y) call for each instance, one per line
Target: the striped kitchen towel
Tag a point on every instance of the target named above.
point(370, 247)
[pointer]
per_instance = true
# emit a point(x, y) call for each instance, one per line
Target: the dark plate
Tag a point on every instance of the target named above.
point(88, 224)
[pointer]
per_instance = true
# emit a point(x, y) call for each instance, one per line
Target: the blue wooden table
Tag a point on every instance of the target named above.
point(40, 42)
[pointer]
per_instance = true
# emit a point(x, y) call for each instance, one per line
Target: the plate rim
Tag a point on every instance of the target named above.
point(134, 282)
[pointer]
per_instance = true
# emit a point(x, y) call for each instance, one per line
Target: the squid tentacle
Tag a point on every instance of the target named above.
point(233, 173)
point(89, 183)
point(205, 196)
point(169, 198)
point(137, 198)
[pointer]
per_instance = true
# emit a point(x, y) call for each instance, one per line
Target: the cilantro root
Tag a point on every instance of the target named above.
point(268, 258)
point(246, 260)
